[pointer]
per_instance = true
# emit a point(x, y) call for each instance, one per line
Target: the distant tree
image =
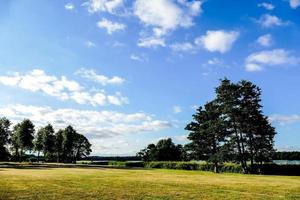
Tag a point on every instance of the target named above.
point(164, 150)
point(38, 142)
point(75, 145)
point(69, 136)
point(23, 135)
point(82, 147)
point(48, 141)
point(149, 153)
point(59, 149)
point(5, 132)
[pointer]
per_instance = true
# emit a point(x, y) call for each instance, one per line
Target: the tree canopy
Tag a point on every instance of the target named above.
point(63, 146)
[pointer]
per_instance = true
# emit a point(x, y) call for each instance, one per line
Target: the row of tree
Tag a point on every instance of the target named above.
point(232, 127)
point(62, 146)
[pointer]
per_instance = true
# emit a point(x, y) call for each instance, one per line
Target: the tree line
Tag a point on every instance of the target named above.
point(231, 127)
point(65, 145)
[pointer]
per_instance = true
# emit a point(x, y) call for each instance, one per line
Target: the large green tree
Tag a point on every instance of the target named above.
point(251, 134)
point(5, 132)
point(233, 126)
point(208, 134)
point(22, 137)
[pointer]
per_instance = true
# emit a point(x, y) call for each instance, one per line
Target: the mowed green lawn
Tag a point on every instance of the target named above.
point(84, 183)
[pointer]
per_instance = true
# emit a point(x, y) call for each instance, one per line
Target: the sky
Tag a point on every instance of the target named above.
point(126, 73)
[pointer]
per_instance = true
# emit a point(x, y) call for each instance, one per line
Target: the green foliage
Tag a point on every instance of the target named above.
point(202, 166)
point(117, 163)
point(164, 150)
point(232, 127)
point(287, 155)
point(4, 138)
point(22, 138)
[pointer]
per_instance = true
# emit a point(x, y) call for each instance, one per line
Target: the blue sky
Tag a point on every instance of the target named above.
point(127, 73)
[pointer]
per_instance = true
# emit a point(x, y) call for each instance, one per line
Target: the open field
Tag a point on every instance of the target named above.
point(105, 183)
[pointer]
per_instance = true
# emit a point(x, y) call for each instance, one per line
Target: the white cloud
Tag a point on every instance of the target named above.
point(110, 6)
point(214, 61)
point(265, 40)
point(294, 3)
point(284, 119)
point(102, 128)
point(69, 6)
point(257, 61)
point(182, 47)
point(103, 80)
point(90, 44)
point(62, 88)
point(268, 21)
point(267, 6)
point(219, 40)
point(177, 109)
point(151, 42)
point(164, 16)
point(110, 26)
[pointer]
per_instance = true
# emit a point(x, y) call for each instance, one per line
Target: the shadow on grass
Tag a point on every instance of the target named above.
point(42, 166)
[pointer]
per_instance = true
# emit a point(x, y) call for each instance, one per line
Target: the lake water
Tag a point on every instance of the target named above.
point(287, 162)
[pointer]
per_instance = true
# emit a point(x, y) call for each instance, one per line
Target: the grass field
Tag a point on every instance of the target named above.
point(101, 183)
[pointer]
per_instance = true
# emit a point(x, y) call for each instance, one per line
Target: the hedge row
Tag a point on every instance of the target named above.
point(227, 167)
point(274, 169)
point(268, 169)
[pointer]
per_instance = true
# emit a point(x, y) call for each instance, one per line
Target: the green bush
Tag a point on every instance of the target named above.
point(226, 167)
point(172, 165)
point(134, 164)
point(99, 162)
point(274, 169)
point(231, 167)
point(117, 163)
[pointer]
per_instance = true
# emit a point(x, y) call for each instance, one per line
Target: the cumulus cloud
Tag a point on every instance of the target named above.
point(62, 88)
point(102, 124)
point(110, 26)
point(103, 80)
point(69, 6)
point(164, 16)
point(110, 6)
point(284, 119)
point(265, 40)
point(268, 21)
point(105, 128)
point(257, 61)
point(267, 6)
point(218, 41)
point(294, 3)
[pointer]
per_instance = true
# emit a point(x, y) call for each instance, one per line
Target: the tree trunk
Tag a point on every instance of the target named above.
point(216, 167)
